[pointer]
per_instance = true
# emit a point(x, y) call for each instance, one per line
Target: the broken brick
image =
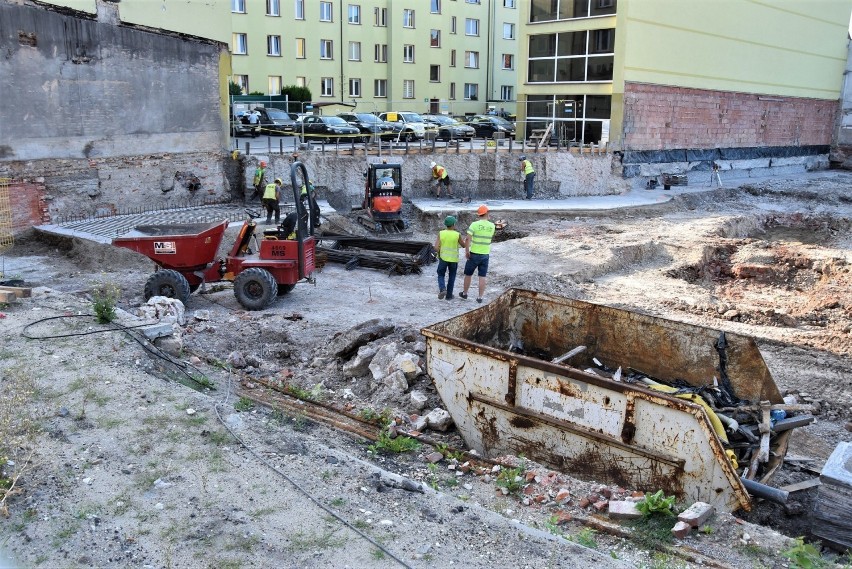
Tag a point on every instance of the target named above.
point(600, 505)
point(681, 530)
point(562, 495)
point(624, 510)
point(697, 514)
point(584, 503)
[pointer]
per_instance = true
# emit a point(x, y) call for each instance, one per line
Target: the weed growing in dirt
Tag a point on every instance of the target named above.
point(377, 554)
point(805, 556)
point(220, 437)
point(244, 404)
point(586, 538)
point(652, 532)
point(444, 449)
point(663, 561)
point(242, 542)
point(104, 298)
point(656, 503)
point(19, 430)
point(361, 524)
point(400, 444)
point(510, 479)
point(337, 502)
point(383, 419)
point(327, 540)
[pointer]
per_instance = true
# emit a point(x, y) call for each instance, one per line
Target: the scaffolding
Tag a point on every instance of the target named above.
point(6, 238)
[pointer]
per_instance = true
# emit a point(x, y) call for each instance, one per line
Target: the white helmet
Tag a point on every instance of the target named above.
point(432, 165)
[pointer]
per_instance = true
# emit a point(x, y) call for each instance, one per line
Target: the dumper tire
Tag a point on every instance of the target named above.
point(255, 288)
point(168, 283)
point(285, 288)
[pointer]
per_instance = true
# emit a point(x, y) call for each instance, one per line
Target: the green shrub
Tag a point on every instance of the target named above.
point(656, 503)
point(805, 556)
point(104, 297)
point(395, 445)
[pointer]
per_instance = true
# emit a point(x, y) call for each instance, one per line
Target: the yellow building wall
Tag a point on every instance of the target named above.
point(776, 47)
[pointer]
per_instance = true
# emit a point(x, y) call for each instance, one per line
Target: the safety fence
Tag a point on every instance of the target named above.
point(6, 238)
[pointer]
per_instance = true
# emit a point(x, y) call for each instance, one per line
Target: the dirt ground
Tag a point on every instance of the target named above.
point(137, 465)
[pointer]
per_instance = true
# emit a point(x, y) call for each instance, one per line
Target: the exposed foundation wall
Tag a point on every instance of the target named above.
point(841, 151)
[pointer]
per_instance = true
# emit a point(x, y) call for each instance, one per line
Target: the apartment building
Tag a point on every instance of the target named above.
point(657, 75)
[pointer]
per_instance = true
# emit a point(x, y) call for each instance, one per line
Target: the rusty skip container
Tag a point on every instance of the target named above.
point(583, 424)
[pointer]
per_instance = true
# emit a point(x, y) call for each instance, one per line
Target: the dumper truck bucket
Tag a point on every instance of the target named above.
point(493, 367)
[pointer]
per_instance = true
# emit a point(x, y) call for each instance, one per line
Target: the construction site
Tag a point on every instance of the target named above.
point(221, 352)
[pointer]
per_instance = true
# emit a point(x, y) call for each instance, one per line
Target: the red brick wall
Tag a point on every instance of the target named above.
point(28, 205)
point(657, 117)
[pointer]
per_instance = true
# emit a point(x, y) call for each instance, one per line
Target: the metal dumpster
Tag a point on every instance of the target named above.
point(578, 422)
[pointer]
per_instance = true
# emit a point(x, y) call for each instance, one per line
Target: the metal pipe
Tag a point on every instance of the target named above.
point(766, 492)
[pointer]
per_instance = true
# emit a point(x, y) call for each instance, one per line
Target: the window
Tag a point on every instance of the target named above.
point(508, 31)
point(300, 48)
point(408, 53)
point(300, 10)
point(435, 73)
point(327, 86)
point(471, 59)
point(354, 87)
point(301, 81)
point(471, 27)
point(408, 18)
point(435, 38)
point(325, 12)
point(436, 7)
point(472, 1)
point(242, 81)
point(273, 45)
point(452, 24)
point(452, 58)
point(380, 17)
point(238, 6)
point(581, 56)
point(508, 3)
point(508, 61)
point(354, 51)
point(381, 55)
point(380, 88)
point(326, 49)
point(603, 41)
point(274, 84)
point(408, 89)
point(506, 92)
point(471, 91)
point(354, 14)
point(273, 7)
point(548, 10)
point(240, 44)
point(452, 90)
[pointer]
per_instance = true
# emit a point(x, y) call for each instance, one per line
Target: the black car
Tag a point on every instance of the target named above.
point(276, 121)
point(369, 124)
point(327, 129)
point(487, 125)
point(449, 128)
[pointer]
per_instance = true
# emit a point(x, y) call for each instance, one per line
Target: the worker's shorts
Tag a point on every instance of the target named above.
point(444, 181)
point(478, 262)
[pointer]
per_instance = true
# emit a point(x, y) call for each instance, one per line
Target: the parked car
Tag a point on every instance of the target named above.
point(413, 125)
point(370, 125)
point(449, 128)
point(486, 125)
point(329, 129)
point(276, 121)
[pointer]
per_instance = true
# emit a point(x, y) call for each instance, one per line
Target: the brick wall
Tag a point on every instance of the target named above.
point(658, 117)
point(28, 205)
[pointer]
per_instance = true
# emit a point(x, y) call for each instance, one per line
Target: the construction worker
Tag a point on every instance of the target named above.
point(271, 195)
point(477, 250)
point(259, 179)
point(529, 176)
point(447, 247)
point(439, 178)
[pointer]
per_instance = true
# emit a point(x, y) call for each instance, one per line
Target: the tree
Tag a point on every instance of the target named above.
point(296, 94)
point(234, 88)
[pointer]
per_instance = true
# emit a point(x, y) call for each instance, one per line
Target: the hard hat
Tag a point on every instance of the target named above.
point(449, 221)
point(278, 181)
point(262, 163)
point(523, 157)
point(432, 165)
point(483, 209)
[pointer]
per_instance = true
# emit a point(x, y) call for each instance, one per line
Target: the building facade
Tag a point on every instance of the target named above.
point(653, 75)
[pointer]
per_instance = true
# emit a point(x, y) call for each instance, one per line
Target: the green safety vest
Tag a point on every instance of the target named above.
point(528, 168)
point(449, 242)
point(481, 232)
point(271, 191)
point(439, 172)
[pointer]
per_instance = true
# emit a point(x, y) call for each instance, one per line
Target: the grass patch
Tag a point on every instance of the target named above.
point(245, 543)
point(221, 437)
point(400, 444)
point(511, 479)
point(337, 502)
point(382, 419)
point(19, 430)
point(652, 532)
point(261, 512)
point(302, 541)
point(377, 554)
point(586, 538)
point(244, 404)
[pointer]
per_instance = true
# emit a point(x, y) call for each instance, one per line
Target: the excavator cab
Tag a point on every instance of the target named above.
point(383, 195)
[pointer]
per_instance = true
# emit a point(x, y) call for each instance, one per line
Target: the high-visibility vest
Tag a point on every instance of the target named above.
point(449, 242)
point(258, 176)
point(439, 172)
point(481, 231)
point(271, 192)
point(528, 168)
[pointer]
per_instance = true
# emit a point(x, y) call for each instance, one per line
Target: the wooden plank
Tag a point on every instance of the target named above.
point(20, 292)
point(7, 297)
point(799, 486)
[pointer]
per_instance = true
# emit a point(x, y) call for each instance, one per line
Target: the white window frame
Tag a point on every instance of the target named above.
point(452, 58)
point(471, 59)
point(471, 91)
point(507, 93)
point(273, 46)
point(407, 18)
point(354, 51)
point(380, 53)
point(471, 27)
point(472, 1)
point(408, 88)
point(380, 17)
point(239, 44)
point(380, 88)
point(326, 11)
point(511, 28)
point(435, 7)
point(408, 53)
point(299, 10)
point(433, 33)
point(326, 86)
point(354, 14)
point(273, 7)
point(435, 68)
point(326, 49)
point(238, 6)
point(452, 24)
point(274, 85)
point(301, 48)
point(453, 90)
point(355, 88)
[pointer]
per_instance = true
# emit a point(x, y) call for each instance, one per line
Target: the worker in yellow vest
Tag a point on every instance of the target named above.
point(440, 177)
point(477, 251)
point(271, 195)
point(529, 176)
point(447, 246)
